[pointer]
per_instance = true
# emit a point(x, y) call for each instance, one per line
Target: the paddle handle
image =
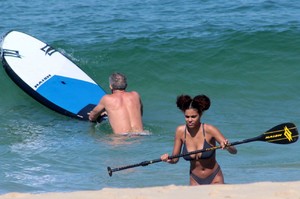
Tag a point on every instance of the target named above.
point(144, 163)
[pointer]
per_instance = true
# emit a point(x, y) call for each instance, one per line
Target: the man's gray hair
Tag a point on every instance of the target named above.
point(118, 81)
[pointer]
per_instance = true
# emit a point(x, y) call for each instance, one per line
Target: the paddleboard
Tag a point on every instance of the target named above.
point(49, 76)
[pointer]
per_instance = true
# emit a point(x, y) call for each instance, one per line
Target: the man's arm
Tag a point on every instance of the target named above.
point(97, 111)
point(140, 100)
point(142, 109)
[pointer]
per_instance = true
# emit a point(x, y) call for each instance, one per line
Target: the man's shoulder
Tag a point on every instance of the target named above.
point(134, 93)
point(106, 97)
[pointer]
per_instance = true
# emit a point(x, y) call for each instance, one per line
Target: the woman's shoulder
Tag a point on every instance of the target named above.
point(180, 130)
point(211, 129)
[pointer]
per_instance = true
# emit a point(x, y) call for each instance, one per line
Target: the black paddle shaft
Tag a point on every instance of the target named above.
point(285, 133)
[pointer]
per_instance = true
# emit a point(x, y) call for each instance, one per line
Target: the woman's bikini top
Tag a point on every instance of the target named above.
point(205, 155)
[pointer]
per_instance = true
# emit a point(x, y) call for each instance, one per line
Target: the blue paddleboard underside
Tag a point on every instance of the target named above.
point(62, 92)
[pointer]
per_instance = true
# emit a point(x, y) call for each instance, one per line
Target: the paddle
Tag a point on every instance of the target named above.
point(285, 133)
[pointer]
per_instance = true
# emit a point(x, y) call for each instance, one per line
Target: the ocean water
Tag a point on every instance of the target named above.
point(243, 54)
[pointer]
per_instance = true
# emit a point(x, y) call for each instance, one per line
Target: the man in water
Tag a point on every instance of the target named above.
point(124, 109)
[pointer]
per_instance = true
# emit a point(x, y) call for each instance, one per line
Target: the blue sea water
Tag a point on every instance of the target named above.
point(243, 54)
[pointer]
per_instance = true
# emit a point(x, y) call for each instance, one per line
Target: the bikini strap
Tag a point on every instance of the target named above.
point(203, 130)
point(184, 134)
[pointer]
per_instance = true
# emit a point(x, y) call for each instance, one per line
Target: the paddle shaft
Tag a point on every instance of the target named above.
point(145, 163)
point(285, 133)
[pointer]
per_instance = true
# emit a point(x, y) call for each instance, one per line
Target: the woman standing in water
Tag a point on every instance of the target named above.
point(195, 135)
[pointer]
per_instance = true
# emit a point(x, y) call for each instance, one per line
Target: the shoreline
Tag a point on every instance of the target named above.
point(266, 190)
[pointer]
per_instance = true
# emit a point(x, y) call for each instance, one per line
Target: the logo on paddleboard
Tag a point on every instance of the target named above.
point(42, 81)
point(10, 53)
point(48, 50)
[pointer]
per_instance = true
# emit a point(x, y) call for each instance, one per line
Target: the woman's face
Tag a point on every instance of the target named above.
point(192, 117)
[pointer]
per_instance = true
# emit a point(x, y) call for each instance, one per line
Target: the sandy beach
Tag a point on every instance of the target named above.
point(265, 190)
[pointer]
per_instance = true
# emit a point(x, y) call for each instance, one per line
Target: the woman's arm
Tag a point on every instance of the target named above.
point(219, 137)
point(176, 148)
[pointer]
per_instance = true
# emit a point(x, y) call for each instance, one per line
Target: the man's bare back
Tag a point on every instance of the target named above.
point(124, 110)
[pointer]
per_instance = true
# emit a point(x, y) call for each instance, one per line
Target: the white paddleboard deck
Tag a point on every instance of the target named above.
point(48, 76)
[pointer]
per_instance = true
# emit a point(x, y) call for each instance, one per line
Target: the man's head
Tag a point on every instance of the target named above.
point(118, 81)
